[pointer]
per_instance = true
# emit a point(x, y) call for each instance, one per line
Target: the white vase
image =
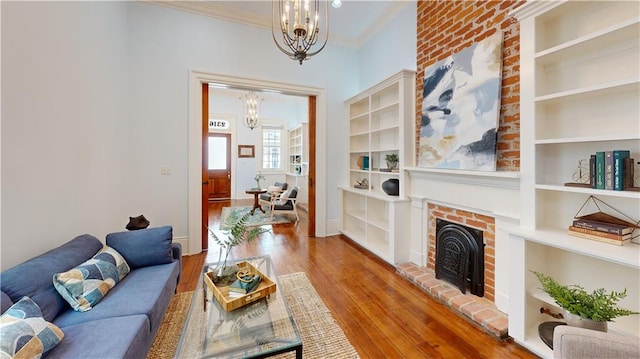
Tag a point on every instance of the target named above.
point(577, 321)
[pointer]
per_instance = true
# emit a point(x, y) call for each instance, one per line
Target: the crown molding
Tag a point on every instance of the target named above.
point(227, 13)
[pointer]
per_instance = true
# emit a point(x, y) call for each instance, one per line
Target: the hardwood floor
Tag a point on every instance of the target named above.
point(382, 314)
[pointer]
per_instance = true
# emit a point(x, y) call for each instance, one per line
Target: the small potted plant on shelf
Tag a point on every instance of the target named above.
point(238, 233)
point(392, 161)
point(584, 309)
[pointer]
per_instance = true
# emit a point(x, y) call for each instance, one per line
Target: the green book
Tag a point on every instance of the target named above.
point(618, 168)
point(245, 287)
point(600, 170)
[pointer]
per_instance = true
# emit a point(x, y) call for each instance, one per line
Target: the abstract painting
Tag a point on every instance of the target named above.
point(460, 108)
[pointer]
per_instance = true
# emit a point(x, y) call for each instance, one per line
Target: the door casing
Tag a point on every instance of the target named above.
point(196, 79)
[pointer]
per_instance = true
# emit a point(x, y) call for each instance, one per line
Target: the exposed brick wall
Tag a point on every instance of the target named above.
point(447, 27)
point(485, 223)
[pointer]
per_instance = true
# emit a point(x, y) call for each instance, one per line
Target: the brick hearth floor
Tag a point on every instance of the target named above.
point(479, 310)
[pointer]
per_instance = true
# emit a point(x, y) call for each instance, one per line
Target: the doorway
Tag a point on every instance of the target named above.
point(197, 79)
point(217, 161)
point(219, 166)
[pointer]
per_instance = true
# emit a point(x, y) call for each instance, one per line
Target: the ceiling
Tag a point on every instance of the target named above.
point(350, 25)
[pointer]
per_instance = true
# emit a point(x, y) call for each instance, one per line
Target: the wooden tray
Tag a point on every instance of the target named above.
point(266, 287)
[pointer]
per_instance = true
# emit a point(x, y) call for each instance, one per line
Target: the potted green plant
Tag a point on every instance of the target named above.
point(589, 310)
point(238, 233)
point(259, 176)
point(392, 160)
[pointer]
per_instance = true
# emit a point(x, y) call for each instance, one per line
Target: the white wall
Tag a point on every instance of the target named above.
point(65, 128)
point(95, 102)
point(391, 49)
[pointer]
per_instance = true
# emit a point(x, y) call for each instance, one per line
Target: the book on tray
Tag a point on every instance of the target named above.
point(243, 286)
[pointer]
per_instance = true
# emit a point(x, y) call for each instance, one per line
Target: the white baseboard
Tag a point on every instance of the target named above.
point(333, 227)
point(184, 242)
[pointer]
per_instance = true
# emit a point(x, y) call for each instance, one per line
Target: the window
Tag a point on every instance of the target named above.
point(272, 148)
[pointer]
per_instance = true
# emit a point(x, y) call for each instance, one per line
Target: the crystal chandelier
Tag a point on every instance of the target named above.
point(251, 107)
point(299, 27)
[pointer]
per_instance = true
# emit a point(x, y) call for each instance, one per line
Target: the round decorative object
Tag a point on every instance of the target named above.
point(391, 187)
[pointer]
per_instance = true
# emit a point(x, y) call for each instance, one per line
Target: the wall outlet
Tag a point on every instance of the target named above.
point(165, 170)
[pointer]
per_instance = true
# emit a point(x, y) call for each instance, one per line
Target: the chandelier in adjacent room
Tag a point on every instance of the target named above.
point(299, 27)
point(251, 106)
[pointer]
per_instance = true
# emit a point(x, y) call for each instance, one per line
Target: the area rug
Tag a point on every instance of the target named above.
point(320, 333)
point(257, 219)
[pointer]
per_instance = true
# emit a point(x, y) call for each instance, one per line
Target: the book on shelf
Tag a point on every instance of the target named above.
point(595, 232)
point(618, 168)
point(603, 227)
point(592, 171)
point(608, 219)
point(598, 238)
point(600, 170)
point(608, 170)
point(628, 173)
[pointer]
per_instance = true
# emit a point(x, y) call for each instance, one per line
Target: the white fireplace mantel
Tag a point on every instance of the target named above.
point(501, 179)
point(495, 194)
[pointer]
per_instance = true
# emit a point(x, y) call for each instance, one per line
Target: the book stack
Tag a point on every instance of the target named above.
point(244, 285)
point(612, 230)
point(612, 170)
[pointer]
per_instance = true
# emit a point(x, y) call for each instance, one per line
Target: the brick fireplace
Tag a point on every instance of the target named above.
point(479, 310)
point(482, 222)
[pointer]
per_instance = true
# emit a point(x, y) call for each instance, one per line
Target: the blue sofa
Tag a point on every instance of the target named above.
point(125, 321)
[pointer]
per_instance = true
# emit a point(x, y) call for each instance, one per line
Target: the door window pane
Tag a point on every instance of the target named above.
point(217, 153)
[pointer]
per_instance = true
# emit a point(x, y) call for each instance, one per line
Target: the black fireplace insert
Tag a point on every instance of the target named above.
point(460, 256)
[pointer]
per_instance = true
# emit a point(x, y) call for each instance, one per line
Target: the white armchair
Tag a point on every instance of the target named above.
point(573, 342)
point(285, 203)
point(272, 191)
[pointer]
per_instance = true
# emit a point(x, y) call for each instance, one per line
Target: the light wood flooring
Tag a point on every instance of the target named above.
point(382, 314)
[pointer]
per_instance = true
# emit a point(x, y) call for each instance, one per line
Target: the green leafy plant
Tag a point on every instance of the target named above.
point(259, 176)
point(392, 160)
point(391, 157)
point(599, 306)
point(238, 233)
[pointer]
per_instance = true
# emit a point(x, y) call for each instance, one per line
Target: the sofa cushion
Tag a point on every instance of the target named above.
point(146, 291)
point(25, 334)
point(33, 277)
point(109, 338)
point(5, 302)
point(144, 247)
point(85, 285)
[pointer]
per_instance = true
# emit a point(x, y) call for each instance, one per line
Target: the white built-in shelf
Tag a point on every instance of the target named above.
point(375, 195)
point(381, 122)
point(579, 90)
point(589, 191)
point(604, 138)
point(602, 89)
point(622, 32)
point(627, 255)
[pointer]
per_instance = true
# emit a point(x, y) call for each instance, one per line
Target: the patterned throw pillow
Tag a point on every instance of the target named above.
point(25, 334)
point(85, 285)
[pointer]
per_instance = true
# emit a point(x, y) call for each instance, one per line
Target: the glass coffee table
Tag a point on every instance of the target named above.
point(257, 330)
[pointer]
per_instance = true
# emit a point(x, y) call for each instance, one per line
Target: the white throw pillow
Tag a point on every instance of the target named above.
point(284, 196)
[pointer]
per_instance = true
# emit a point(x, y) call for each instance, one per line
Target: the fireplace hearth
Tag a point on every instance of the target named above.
point(460, 256)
